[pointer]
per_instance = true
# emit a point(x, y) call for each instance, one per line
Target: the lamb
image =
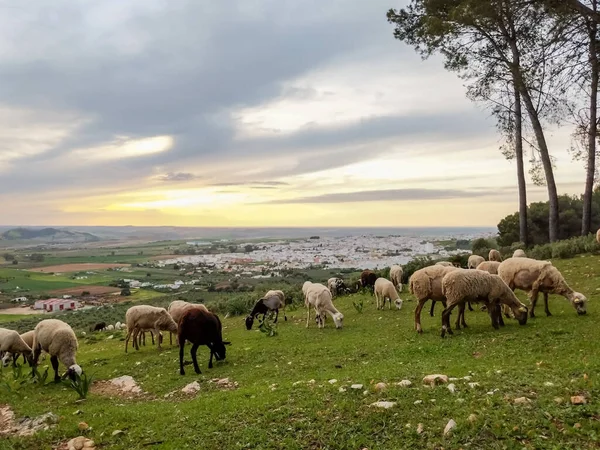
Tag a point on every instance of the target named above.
point(110, 327)
point(272, 301)
point(367, 279)
point(145, 317)
point(201, 327)
point(426, 284)
point(386, 289)
point(319, 297)
point(533, 277)
point(520, 253)
point(118, 326)
point(396, 273)
point(28, 339)
point(58, 339)
point(494, 255)
point(444, 263)
point(336, 286)
point(176, 309)
point(474, 261)
point(99, 326)
point(12, 345)
point(489, 267)
point(460, 286)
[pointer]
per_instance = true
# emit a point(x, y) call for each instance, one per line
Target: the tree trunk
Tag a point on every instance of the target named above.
point(523, 229)
point(586, 222)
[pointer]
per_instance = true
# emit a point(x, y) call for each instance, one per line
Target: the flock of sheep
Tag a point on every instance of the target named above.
point(490, 282)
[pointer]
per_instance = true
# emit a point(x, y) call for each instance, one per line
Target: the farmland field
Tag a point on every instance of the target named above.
point(77, 267)
point(287, 397)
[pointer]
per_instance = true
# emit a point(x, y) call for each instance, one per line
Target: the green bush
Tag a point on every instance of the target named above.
point(413, 265)
point(567, 248)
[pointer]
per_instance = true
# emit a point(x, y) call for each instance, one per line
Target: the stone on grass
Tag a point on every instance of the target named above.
point(342, 389)
point(83, 426)
point(126, 383)
point(404, 383)
point(521, 401)
point(332, 381)
point(578, 400)
point(80, 443)
point(473, 385)
point(548, 384)
point(191, 388)
point(451, 387)
point(558, 400)
point(117, 433)
point(419, 428)
point(434, 379)
point(356, 386)
point(418, 402)
point(449, 426)
point(385, 405)
point(380, 387)
point(472, 418)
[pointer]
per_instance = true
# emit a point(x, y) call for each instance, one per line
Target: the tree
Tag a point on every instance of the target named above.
point(125, 292)
point(490, 43)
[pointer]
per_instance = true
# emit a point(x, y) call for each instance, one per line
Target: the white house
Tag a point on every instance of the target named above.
point(19, 299)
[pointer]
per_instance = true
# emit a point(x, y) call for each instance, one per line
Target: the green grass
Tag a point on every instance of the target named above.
point(12, 317)
point(268, 411)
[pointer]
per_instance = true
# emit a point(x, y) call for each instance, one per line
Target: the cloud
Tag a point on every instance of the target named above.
point(179, 176)
point(388, 195)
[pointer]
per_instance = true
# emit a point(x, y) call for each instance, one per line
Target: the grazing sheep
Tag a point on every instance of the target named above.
point(494, 255)
point(520, 253)
point(336, 286)
point(426, 284)
point(269, 302)
point(58, 339)
point(99, 326)
point(444, 263)
point(386, 289)
point(396, 274)
point(200, 327)
point(118, 326)
point(176, 309)
point(110, 327)
point(145, 317)
point(489, 267)
point(474, 261)
point(367, 279)
point(533, 277)
point(12, 345)
point(477, 286)
point(319, 297)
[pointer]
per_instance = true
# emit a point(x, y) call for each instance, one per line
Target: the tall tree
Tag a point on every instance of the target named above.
point(487, 41)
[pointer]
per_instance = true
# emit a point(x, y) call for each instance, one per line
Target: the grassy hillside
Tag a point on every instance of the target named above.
point(276, 406)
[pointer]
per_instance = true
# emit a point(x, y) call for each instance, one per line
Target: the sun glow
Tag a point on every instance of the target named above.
point(127, 148)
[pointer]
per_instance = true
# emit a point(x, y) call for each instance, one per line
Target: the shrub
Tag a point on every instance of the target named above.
point(81, 384)
point(412, 266)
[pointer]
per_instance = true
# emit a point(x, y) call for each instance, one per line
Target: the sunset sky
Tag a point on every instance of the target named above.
point(240, 113)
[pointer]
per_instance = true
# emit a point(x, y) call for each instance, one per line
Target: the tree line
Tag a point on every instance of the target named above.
point(534, 64)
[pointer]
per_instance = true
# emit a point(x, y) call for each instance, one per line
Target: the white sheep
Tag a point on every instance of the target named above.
point(474, 261)
point(319, 297)
point(58, 339)
point(336, 286)
point(396, 274)
point(118, 325)
point(518, 253)
point(11, 344)
point(444, 263)
point(110, 327)
point(494, 255)
point(385, 289)
point(177, 309)
point(460, 286)
point(141, 318)
point(533, 277)
point(598, 236)
point(489, 267)
point(426, 284)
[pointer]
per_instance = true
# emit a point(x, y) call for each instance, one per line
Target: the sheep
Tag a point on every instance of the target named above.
point(367, 279)
point(58, 339)
point(458, 286)
point(474, 261)
point(336, 286)
point(99, 326)
point(598, 236)
point(176, 309)
point(396, 274)
point(200, 327)
point(28, 339)
point(12, 345)
point(386, 289)
point(494, 255)
point(272, 301)
point(489, 267)
point(146, 317)
point(533, 277)
point(110, 327)
point(426, 284)
point(444, 263)
point(319, 297)
point(118, 326)
point(520, 253)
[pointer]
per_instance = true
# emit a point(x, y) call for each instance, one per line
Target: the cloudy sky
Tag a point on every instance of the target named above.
point(240, 113)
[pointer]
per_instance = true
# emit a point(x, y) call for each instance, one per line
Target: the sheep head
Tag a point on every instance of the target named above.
point(521, 314)
point(579, 302)
point(398, 303)
point(249, 322)
point(73, 370)
point(338, 319)
point(219, 349)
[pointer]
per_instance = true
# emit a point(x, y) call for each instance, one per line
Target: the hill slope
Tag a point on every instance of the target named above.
point(47, 234)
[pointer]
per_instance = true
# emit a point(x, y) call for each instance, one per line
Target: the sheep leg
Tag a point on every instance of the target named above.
point(470, 307)
point(170, 338)
point(432, 306)
point(548, 313)
point(461, 317)
point(446, 320)
point(533, 298)
point(193, 352)
point(307, 314)
point(493, 312)
point(136, 338)
point(152, 334)
point(276, 315)
point(129, 332)
point(181, 348)
point(54, 361)
point(418, 315)
point(499, 314)
point(158, 339)
point(210, 364)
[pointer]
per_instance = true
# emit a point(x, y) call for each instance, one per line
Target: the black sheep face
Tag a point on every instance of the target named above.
point(219, 350)
point(249, 322)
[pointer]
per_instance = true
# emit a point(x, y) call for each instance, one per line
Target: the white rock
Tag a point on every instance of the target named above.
point(385, 405)
point(451, 387)
point(110, 337)
point(380, 387)
point(467, 378)
point(434, 379)
point(356, 386)
point(313, 381)
point(404, 383)
point(418, 402)
point(521, 401)
point(419, 428)
point(191, 388)
point(473, 385)
point(342, 389)
point(548, 384)
point(452, 379)
point(332, 381)
point(449, 426)
point(126, 383)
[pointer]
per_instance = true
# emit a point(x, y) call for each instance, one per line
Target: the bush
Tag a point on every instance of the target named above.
point(413, 265)
point(565, 249)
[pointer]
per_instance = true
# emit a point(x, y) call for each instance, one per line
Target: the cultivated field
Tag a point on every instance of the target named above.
point(286, 397)
point(78, 267)
point(93, 290)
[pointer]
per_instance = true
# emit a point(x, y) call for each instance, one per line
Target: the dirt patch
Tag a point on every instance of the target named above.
point(79, 267)
point(122, 387)
point(20, 310)
point(165, 257)
point(92, 289)
point(26, 426)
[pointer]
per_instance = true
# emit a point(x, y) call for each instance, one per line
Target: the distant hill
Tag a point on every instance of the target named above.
point(47, 234)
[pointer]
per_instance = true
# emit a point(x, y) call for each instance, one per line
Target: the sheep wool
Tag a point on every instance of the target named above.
point(58, 339)
point(319, 297)
point(12, 343)
point(518, 253)
point(396, 274)
point(489, 267)
point(494, 255)
point(444, 263)
point(141, 318)
point(474, 261)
